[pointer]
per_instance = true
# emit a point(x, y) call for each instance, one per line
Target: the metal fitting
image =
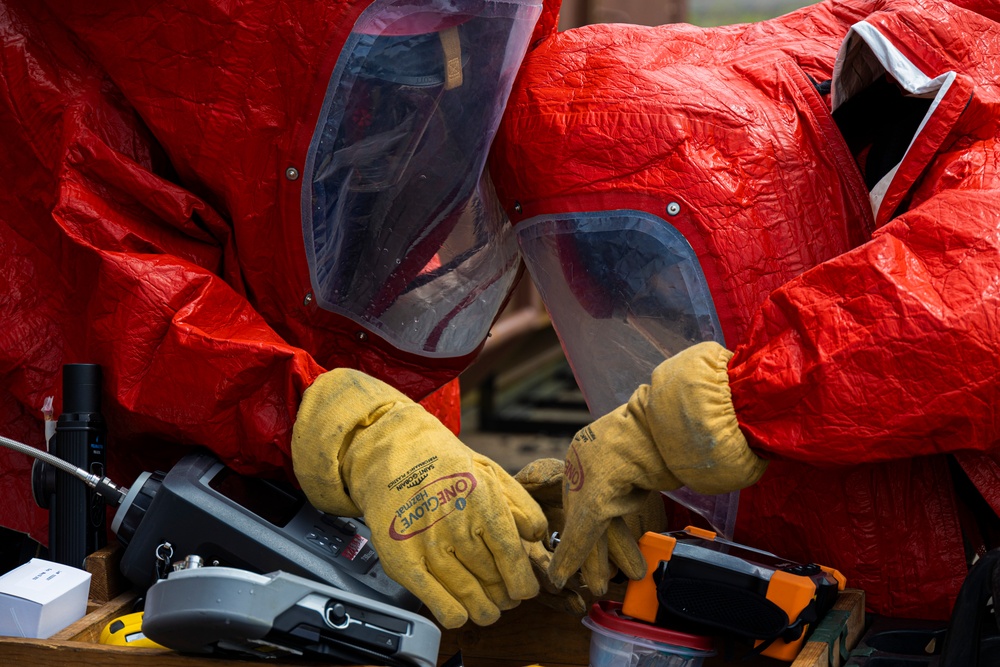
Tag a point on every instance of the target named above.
point(191, 562)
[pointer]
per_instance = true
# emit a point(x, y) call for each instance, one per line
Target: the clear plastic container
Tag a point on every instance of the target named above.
point(619, 641)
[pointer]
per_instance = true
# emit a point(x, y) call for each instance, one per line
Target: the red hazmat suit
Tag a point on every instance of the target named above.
point(857, 282)
point(154, 173)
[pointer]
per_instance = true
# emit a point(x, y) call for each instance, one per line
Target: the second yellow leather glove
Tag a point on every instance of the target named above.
point(446, 521)
point(543, 479)
point(679, 430)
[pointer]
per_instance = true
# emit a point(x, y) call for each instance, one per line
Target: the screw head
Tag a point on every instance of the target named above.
point(517, 207)
point(362, 336)
point(307, 299)
point(673, 208)
point(292, 174)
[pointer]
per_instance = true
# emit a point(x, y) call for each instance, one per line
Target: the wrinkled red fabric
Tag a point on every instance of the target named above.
point(148, 226)
point(865, 347)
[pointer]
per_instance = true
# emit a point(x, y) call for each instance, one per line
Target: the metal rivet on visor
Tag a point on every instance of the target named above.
point(292, 174)
point(517, 207)
point(673, 208)
point(362, 336)
point(308, 299)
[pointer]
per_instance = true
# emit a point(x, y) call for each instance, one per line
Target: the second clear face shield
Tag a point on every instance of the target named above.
point(402, 230)
point(625, 291)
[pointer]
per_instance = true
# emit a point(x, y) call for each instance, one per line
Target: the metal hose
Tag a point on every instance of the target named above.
point(102, 485)
point(44, 456)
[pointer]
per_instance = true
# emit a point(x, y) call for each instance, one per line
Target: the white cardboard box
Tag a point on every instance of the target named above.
point(40, 598)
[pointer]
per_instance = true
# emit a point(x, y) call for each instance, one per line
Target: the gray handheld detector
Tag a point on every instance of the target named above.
point(202, 507)
point(229, 611)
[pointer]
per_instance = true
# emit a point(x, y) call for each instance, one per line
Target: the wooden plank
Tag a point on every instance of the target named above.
point(88, 628)
point(813, 654)
point(529, 633)
point(106, 579)
point(853, 601)
point(641, 12)
point(49, 653)
point(818, 653)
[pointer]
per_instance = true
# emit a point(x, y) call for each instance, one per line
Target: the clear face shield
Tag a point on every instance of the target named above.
point(402, 229)
point(625, 291)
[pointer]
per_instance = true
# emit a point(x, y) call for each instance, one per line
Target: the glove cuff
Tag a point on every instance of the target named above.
point(691, 416)
point(320, 438)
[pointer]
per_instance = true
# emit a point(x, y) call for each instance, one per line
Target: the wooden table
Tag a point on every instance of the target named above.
point(527, 635)
point(532, 633)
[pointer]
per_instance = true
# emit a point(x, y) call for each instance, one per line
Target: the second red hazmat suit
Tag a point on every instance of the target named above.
point(672, 185)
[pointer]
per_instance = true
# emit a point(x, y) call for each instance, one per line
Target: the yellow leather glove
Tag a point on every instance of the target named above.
point(446, 522)
point(679, 430)
point(543, 480)
point(618, 546)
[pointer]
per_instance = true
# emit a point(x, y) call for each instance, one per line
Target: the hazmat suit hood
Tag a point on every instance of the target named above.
point(705, 174)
